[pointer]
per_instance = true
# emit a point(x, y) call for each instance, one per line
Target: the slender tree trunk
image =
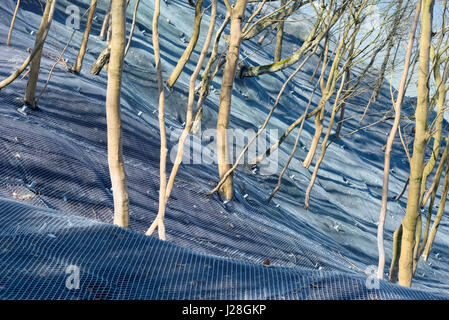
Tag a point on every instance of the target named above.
point(279, 37)
point(103, 58)
point(324, 144)
point(348, 78)
point(159, 221)
point(113, 116)
point(416, 166)
point(439, 215)
point(317, 134)
point(79, 60)
point(224, 109)
point(394, 267)
point(41, 35)
point(206, 77)
point(321, 105)
point(327, 90)
point(398, 15)
point(190, 102)
point(440, 82)
point(101, 61)
point(434, 190)
point(133, 24)
point(391, 137)
point(12, 23)
point(192, 43)
point(104, 27)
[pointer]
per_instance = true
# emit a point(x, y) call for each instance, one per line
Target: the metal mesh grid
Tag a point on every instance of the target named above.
point(56, 208)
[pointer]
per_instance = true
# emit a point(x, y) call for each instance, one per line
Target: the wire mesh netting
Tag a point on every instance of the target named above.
point(38, 245)
point(56, 200)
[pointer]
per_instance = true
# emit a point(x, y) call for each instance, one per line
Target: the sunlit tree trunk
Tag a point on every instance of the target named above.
point(41, 35)
point(416, 166)
point(324, 145)
point(159, 221)
point(113, 115)
point(279, 37)
point(432, 195)
point(440, 82)
point(207, 76)
point(12, 23)
point(190, 102)
point(79, 60)
point(133, 24)
point(439, 215)
point(224, 110)
point(391, 137)
point(104, 27)
point(192, 43)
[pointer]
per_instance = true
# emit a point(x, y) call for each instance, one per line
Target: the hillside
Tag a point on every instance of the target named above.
point(56, 203)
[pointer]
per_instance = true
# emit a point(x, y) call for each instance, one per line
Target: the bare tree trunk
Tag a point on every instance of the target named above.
point(394, 267)
point(206, 77)
point(324, 144)
point(327, 90)
point(41, 35)
point(416, 166)
point(224, 109)
point(397, 107)
point(321, 105)
point(12, 23)
point(440, 82)
point(104, 27)
point(159, 221)
point(133, 24)
point(192, 43)
point(398, 15)
point(279, 36)
point(79, 60)
point(433, 190)
point(439, 215)
point(191, 100)
point(113, 116)
point(101, 61)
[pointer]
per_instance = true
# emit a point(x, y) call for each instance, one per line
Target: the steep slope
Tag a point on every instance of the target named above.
point(54, 164)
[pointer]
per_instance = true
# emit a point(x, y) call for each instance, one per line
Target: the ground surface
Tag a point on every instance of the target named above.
point(56, 204)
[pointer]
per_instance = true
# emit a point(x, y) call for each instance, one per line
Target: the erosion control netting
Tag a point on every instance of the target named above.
point(38, 245)
point(56, 203)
